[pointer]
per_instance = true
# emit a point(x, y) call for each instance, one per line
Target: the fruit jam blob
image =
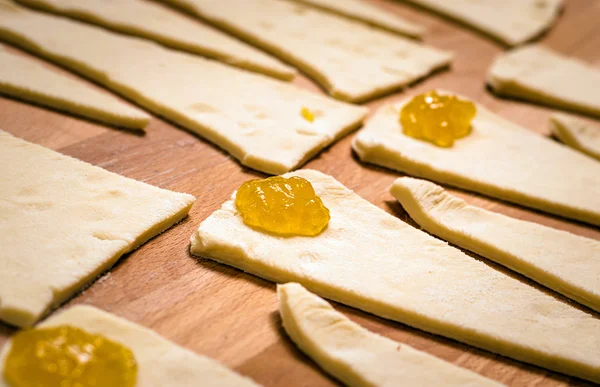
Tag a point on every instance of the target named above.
point(67, 356)
point(439, 119)
point(282, 206)
point(307, 114)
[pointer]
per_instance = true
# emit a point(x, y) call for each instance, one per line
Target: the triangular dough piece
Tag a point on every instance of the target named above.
point(156, 22)
point(498, 158)
point(564, 262)
point(353, 61)
point(576, 133)
point(370, 14)
point(357, 356)
point(540, 75)
point(160, 361)
point(22, 78)
point(512, 22)
point(256, 119)
point(63, 222)
point(369, 259)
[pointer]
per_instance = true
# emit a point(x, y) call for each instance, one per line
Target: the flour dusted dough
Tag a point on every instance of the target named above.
point(356, 356)
point(538, 74)
point(564, 262)
point(149, 20)
point(576, 133)
point(353, 61)
point(373, 261)
point(23, 78)
point(499, 158)
point(255, 118)
point(363, 11)
point(512, 22)
point(160, 362)
point(63, 222)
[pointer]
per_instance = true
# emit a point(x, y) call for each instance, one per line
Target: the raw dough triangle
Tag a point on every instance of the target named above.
point(577, 134)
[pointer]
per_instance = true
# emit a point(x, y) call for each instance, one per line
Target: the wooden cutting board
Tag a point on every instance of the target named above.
point(232, 316)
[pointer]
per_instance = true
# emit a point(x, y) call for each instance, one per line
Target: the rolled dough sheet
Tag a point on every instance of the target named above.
point(370, 14)
point(576, 133)
point(499, 159)
point(538, 74)
point(512, 22)
point(256, 119)
point(357, 356)
point(63, 222)
point(373, 261)
point(152, 21)
point(353, 61)
point(564, 262)
point(22, 78)
point(160, 362)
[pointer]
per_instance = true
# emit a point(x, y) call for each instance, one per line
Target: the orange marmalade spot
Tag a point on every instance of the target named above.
point(307, 114)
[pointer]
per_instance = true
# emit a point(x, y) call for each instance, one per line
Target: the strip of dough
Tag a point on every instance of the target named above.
point(538, 74)
point(353, 61)
point(256, 119)
point(357, 356)
point(576, 133)
point(512, 22)
point(160, 362)
point(63, 222)
point(365, 12)
point(564, 262)
point(371, 260)
point(499, 158)
point(22, 78)
point(152, 21)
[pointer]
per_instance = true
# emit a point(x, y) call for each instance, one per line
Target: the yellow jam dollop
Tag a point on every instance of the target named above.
point(307, 114)
point(439, 119)
point(67, 356)
point(282, 206)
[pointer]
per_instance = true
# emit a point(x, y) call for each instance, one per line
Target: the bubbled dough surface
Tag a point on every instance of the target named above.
point(357, 356)
point(539, 74)
point(149, 20)
point(373, 261)
point(160, 362)
point(512, 22)
point(564, 262)
point(213, 100)
point(353, 61)
point(23, 78)
point(498, 158)
point(576, 133)
point(63, 222)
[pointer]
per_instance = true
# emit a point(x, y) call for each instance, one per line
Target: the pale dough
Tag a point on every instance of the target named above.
point(369, 259)
point(353, 61)
point(576, 133)
point(160, 362)
point(499, 158)
point(538, 74)
point(149, 20)
point(63, 222)
point(357, 356)
point(373, 15)
point(564, 262)
point(256, 119)
point(22, 78)
point(512, 22)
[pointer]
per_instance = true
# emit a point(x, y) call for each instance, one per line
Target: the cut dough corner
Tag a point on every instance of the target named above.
point(576, 133)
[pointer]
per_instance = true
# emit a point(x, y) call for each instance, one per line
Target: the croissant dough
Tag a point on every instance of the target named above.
point(499, 158)
point(216, 101)
point(371, 260)
point(539, 74)
point(356, 356)
point(562, 261)
point(160, 362)
point(63, 222)
point(576, 133)
point(353, 61)
point(152, 21)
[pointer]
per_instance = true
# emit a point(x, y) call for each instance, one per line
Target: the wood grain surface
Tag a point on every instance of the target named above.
point(231, 316)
